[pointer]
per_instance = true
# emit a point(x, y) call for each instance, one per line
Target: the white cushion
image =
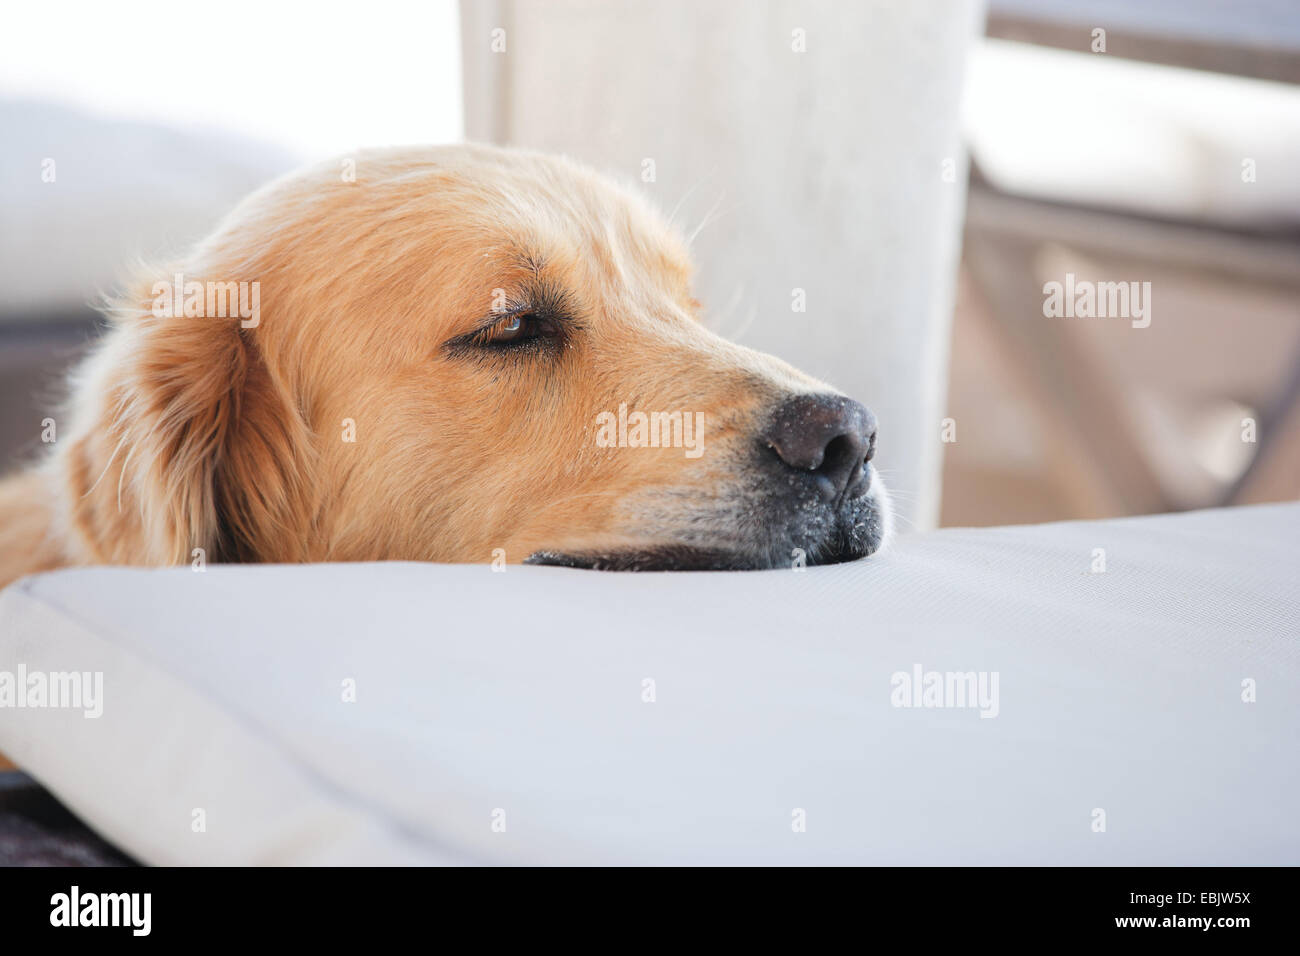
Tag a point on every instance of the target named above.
point(518, 696)
point(121, 192)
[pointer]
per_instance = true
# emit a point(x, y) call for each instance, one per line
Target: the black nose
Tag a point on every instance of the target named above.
point(829, 437)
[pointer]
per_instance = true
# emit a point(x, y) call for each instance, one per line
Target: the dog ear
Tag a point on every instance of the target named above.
point(184, 438)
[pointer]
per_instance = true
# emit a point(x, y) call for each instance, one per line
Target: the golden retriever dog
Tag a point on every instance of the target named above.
point(458, 354)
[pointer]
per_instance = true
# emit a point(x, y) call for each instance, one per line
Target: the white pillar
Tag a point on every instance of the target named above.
point(823, 136)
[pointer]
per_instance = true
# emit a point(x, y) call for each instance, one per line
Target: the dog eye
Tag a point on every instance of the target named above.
point(517, 326)
point(513, 330)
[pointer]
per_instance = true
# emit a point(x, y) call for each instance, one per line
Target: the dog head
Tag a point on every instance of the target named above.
point(458, 353)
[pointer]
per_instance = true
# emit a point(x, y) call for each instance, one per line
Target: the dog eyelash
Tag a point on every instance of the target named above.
point(521, 331)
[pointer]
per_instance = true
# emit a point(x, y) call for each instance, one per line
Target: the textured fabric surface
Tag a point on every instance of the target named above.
point(553, 715)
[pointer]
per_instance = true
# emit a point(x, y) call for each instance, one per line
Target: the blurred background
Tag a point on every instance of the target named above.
point(878, 192)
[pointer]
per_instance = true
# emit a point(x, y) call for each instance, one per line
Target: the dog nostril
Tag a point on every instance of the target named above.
point(841, 466)
point(841, 451)
point(829, 436)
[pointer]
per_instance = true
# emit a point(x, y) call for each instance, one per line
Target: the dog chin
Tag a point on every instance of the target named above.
point(658, 558)
point(867, 533)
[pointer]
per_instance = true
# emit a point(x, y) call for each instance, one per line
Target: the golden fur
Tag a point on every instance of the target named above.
point(196, 432)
